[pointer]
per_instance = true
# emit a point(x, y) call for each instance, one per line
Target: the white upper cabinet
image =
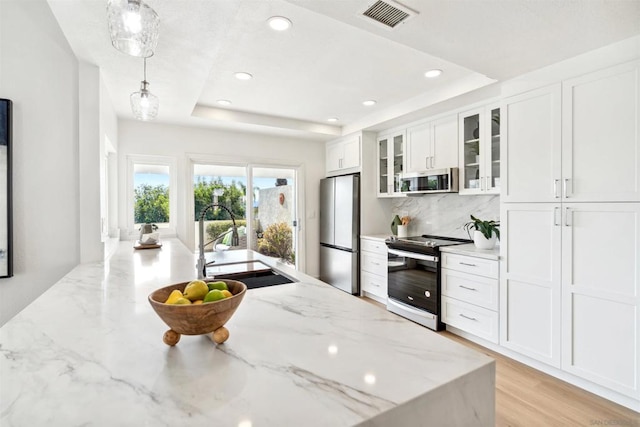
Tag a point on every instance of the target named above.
point(419, 146)
point(579, 141)
point(479, 133)
point(432, 145)
point(601, 135)
point(390, 163)
point(343, 155)
point(531, 146)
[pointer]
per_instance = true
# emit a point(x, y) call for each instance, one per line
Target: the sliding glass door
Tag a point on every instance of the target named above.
point(274, 212)
point(265, 217)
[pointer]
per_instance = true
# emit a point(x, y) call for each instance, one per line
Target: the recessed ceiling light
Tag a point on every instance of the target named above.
point(332, 119)
point(432, 73)
point(279, 23)
point(243, 76)
point(223, 102)
point(369, 103)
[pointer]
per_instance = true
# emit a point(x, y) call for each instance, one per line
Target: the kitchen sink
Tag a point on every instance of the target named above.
point(255, 277)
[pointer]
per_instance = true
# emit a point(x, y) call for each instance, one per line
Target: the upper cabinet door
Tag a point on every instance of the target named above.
point(479, 148)
point(444, 143)
point(531, 146)
point(343, 156)
point(418, 156)
point(601, 135)
point(471, 128)
point(351, 158)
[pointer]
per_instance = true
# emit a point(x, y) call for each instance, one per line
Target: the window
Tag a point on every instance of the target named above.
point(226, 186)
point(151, 200)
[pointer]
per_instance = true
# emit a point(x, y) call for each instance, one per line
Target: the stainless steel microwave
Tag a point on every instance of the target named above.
point(433, 181)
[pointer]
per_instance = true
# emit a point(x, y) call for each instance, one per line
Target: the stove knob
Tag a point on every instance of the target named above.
point(427, 294)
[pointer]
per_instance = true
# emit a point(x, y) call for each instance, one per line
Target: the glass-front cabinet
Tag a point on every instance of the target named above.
point(480, 151)
point(390, 163)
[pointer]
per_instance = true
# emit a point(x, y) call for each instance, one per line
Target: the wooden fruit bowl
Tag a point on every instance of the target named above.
point(197, 319)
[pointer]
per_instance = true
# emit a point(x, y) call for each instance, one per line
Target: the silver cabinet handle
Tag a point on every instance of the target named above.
point(467, 264)
point(426, 162)
point(465, 287)
point(564, 187)
point(555, 216)
point(566, 217)
point(467, 317)
point(432, 162)
point(555, 188)
point(375, 263)
point(375, 284)
point(410, 297)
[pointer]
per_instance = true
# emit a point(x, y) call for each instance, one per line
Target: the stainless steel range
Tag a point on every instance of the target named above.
point(414, 277)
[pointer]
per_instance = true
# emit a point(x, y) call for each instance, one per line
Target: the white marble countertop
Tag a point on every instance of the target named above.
point(89, 351)
point(471, 250)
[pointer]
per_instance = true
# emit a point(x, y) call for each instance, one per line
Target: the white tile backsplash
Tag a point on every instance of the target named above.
point(444, 214)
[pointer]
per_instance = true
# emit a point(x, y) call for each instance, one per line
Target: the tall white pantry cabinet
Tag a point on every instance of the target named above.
point(570, 220)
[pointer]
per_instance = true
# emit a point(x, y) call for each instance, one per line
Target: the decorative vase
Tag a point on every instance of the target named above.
point(482, 242)
point(394, 225)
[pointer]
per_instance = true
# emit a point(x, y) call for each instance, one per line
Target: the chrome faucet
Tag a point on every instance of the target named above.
point(201, 267)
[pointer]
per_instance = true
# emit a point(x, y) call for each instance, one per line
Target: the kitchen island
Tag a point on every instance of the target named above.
point(89, 351)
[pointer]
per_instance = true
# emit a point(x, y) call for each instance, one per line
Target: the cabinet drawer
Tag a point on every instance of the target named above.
point(470, 288)
point(473, 265)
point(376, 246)
point(470, 318)
point(374, 263)
point(374, 284)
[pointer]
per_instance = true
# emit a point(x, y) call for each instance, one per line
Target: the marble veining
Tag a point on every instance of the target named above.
point(444, 214)
point(89, 351)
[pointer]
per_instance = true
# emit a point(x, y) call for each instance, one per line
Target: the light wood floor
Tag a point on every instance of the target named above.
point(527, 397)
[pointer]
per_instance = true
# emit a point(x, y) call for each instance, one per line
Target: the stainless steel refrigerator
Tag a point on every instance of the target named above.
point(340, 231)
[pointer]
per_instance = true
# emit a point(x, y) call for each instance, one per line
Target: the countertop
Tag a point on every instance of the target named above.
point(89, 351)
point(471, 250)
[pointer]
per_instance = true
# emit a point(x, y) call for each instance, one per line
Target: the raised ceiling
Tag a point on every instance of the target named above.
point(333, 58)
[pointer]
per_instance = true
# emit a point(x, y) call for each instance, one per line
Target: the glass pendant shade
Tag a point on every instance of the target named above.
point(144, 104)
point(133, 27)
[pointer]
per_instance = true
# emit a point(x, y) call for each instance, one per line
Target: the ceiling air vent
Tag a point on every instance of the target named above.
point(387, 13)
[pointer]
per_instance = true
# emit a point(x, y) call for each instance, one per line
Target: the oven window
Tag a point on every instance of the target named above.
point(414, 282)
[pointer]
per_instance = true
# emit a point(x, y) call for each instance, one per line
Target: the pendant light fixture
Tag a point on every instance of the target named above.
point(144, 104)
point(133, 27)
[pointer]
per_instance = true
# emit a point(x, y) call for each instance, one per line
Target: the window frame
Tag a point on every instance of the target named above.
point(171, 162)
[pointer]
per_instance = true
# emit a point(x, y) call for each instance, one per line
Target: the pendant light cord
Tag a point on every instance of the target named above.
point(145, 69)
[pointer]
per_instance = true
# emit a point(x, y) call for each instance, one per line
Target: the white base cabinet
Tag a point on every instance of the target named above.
point(570, 288)
point(470, 295)
point(530, 280)
point(601, 294)
point(373, 269)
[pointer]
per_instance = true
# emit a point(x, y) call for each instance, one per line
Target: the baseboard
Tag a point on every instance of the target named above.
point(596, 389)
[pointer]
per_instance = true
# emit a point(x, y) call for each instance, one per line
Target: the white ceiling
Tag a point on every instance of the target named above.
point(332, 58)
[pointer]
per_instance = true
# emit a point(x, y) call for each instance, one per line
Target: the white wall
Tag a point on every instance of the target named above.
point(39, 72)
point(109, 148)
point(91, 246)
point(180, 142)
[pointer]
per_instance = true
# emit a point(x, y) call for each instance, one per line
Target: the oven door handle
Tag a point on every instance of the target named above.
point(413, 255)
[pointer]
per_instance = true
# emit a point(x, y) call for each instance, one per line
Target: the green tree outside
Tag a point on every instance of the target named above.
point(232, 197)
point(151, 204)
